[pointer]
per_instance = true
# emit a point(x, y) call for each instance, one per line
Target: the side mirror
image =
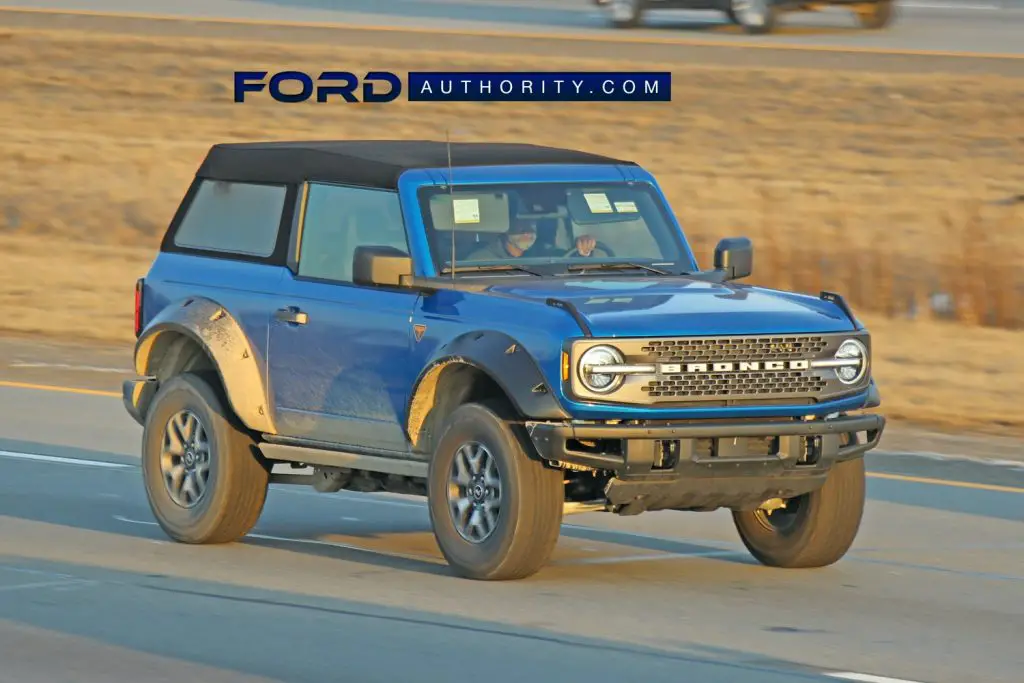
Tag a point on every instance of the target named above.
point(375, 265)
point(734, 256)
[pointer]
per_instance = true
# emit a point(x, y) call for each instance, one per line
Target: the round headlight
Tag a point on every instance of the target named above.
point(590, 369)
point(855, 356)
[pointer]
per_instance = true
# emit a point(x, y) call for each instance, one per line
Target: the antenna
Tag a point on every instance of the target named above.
point(451, 193)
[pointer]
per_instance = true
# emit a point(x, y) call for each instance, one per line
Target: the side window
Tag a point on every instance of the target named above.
point(339, 219)
point(239, 218)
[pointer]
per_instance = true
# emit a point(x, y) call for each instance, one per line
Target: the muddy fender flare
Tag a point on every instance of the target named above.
point(504, 360)
point(218, 334)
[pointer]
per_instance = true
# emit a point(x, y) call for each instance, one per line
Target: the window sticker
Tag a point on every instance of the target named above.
point(598, 202)
point(466, 210)
point(625, 207)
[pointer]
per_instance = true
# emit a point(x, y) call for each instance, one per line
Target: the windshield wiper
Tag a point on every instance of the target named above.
point(447, 270)
point(615, 266)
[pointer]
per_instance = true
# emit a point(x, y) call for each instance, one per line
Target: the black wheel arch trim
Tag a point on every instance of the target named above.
point(210, 326)
point(500, 357)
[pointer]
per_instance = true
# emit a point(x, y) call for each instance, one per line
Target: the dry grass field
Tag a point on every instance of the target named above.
point(884, 187)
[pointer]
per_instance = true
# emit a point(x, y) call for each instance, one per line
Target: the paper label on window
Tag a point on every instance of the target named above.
point(598, 202)
point(466, 210)
point(625, 207)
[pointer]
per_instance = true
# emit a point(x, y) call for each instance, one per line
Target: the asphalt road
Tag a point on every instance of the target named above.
point(989, 32)
point(352, 587)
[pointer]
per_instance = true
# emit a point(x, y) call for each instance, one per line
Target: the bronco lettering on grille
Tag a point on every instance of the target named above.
point(732, 366)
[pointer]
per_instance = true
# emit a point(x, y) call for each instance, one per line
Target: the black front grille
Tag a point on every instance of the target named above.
point(793, 347)
point(736, 385)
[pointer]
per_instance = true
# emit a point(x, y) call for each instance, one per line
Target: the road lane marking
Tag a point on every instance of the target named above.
point(526, 35)
point(866, 678)
point(44, 584)
point(38, 457)
point(68, 366)
point(52, 387)
point(946, 482)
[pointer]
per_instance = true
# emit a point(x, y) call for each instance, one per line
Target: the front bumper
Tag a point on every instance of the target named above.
point(706, 465)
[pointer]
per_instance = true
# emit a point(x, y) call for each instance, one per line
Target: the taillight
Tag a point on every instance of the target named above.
point(138, 305)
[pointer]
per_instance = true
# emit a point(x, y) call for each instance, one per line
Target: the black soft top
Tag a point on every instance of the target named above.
point(372, 163)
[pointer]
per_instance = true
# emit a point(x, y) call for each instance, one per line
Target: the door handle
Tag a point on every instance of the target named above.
point(291, 314)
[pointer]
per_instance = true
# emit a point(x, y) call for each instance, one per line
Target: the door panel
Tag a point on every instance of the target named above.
point(339, 353)
point(341, 372)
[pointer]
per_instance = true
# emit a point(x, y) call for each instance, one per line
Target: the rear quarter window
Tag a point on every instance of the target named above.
point(233, 217)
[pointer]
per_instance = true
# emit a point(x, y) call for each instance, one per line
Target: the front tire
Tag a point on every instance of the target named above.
point(813, 530)
point(495, 511)
point(204, 480)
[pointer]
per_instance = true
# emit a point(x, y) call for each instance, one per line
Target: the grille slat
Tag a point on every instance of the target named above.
point(788, 347)
point(734, 385)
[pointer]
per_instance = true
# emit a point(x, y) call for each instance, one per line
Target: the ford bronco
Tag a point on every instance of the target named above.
point(514, 332)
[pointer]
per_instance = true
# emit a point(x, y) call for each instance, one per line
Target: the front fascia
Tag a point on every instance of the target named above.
point(634, 404)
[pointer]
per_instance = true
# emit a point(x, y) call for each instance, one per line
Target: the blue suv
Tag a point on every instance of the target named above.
point(515, 332)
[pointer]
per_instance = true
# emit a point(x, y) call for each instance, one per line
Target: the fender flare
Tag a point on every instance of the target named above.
point(210, 326)
point(501, 358)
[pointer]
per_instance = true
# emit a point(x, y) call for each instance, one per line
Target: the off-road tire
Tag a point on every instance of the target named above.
point(877, 15)
point(823, 529)
point(238, 477)
point(530, 517)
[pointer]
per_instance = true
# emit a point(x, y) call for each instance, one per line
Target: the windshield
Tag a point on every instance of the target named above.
point(549, 227)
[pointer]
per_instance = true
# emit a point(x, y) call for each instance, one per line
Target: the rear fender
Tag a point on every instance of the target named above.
point(218, 334)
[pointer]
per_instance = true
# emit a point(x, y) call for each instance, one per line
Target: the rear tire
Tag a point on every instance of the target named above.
point(814, 530)
point(205, 482)
point(515, 499)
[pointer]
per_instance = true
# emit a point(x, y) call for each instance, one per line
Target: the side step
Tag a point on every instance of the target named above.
point(354, 461)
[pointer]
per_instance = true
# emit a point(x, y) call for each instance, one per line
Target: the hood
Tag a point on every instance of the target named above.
point(665, 306)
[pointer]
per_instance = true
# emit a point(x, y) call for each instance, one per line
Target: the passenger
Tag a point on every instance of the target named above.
point(519, 239)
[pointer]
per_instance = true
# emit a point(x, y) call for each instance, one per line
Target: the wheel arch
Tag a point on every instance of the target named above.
point(200, 334)
point(474, 366)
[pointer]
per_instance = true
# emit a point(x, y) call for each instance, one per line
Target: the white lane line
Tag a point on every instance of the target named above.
point(68, 366)
point(43, 584)
point(866, 678)
point(38, 457)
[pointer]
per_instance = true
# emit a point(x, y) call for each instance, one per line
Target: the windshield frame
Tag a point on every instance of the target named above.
point(439, 258)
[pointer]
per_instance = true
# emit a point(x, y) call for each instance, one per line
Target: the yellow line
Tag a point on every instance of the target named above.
point(482, 33)
point(947, 482)
point(66, 390)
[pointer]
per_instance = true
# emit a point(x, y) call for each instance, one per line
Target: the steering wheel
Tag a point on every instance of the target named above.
point(598, 244)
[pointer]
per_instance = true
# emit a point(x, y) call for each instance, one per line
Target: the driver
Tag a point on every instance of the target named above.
point(520, 238)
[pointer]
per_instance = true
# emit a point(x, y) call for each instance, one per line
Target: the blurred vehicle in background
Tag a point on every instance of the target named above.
point(753, 16)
